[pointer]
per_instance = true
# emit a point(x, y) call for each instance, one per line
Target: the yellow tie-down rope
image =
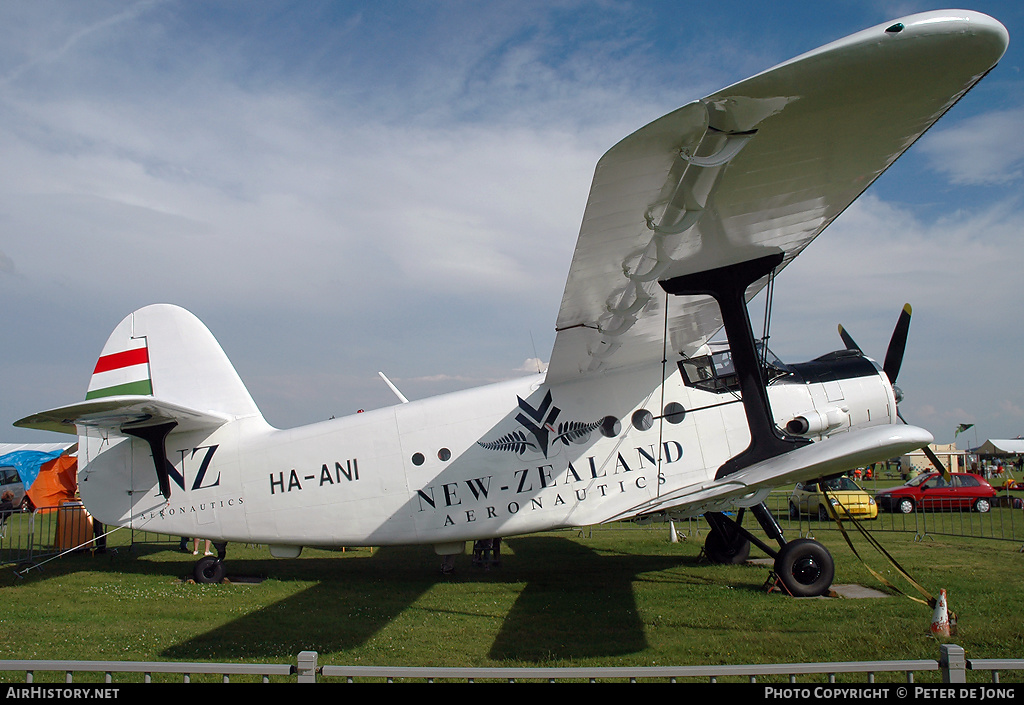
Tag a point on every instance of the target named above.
point(929, 599)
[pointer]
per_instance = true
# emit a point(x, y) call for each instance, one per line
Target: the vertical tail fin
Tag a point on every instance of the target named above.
point(160, 364)
point(160, 372)
point(165, 352)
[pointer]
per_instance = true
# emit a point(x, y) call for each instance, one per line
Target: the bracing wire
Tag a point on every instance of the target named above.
point(664, 366)
point(768, 300)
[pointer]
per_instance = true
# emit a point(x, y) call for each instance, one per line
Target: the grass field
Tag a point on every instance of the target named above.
point(615, 596)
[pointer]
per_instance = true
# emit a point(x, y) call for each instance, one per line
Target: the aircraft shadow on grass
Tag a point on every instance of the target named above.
point(558, 615)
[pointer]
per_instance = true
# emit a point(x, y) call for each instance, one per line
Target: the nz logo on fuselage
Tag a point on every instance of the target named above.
point(541, 434)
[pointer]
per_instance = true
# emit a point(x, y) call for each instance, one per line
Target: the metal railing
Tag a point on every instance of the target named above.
point(90, 669)
point(46, 531)
point(952, 667)
point(1004, 521)
point(32, 536)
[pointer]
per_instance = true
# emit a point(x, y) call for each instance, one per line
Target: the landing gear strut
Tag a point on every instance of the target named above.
point(728, 543)
point(804, 566)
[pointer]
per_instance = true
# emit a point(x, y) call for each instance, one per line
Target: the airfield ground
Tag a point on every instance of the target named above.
point(621, 595)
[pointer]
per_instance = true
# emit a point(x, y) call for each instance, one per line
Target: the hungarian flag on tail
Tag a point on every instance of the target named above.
point(123, 371)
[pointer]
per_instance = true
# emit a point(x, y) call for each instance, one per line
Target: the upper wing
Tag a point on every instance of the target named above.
point(760, 167)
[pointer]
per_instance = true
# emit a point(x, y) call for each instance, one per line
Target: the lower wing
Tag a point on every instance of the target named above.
point(827, 457)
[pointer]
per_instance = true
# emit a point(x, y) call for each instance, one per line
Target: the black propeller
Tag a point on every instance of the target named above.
point(891, 367)
point(849, 342)
point(897, 345)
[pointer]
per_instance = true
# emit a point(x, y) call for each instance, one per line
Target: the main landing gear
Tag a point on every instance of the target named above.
point(804, 567)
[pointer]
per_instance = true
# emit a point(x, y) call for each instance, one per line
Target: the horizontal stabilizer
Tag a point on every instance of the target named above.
point(835, 454)
point(114, 413)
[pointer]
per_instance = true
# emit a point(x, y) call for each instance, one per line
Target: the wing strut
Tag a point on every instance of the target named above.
point(728, 286)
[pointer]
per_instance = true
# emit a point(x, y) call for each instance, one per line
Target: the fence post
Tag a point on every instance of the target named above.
point(953, 663)
point(307, 667)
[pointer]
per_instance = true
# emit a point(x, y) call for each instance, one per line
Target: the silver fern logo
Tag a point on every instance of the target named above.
point(543, 432)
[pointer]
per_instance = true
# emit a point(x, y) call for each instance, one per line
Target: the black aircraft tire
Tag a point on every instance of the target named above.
point(805, 567)
point(719, 550)
point(209, 569)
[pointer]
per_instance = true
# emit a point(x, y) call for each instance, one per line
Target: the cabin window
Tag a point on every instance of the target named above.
point(643, 420)
point(674, 412)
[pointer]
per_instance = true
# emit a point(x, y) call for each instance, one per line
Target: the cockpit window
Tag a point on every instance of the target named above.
point(770, 359)
point(707, 373)
point(715, 372)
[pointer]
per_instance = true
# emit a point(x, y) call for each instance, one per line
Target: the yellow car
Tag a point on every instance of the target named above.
point(843, 494)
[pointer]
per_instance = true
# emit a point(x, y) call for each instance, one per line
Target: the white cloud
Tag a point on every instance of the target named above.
point(532, 365)
point(957, 262)
point(286, 205)
point(406, 193)
point(982, 150)
point(1012, 408)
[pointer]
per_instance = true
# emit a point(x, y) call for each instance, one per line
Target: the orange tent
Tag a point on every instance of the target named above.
point(57, 481)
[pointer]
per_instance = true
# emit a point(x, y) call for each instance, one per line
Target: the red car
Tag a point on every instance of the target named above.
point(930, 492)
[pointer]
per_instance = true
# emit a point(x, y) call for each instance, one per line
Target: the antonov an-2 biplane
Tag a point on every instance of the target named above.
point(640, 412)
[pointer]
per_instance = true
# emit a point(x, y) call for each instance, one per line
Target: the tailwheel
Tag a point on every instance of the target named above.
point(805, 568)
point(209, 569)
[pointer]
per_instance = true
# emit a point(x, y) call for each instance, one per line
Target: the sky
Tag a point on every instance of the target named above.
point(342, 188)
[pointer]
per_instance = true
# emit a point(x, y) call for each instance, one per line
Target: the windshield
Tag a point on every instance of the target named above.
point(770, 359)
point(919, 480)
point(715, 372)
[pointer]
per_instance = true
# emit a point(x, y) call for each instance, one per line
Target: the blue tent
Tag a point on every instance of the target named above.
point(28, 462)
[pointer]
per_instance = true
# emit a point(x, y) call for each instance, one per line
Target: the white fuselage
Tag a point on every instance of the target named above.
point(500, 460)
